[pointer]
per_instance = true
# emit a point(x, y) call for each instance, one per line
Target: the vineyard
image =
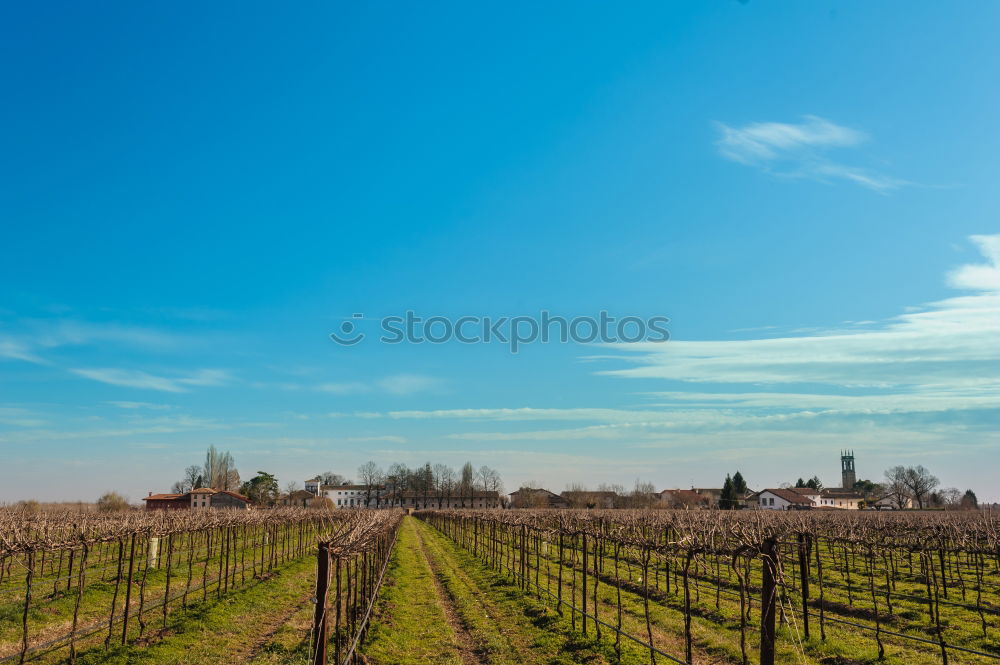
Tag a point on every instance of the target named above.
point(738, 587)
point(77, 583)
point(466, 587)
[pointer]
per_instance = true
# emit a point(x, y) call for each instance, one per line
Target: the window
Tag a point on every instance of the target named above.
point(770, 502)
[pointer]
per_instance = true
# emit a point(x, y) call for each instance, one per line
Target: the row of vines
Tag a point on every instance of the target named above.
point(349, 573)
point(742, 587)
point(76, 581)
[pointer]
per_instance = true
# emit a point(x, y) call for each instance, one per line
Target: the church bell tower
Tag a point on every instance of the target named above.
point(847, 477)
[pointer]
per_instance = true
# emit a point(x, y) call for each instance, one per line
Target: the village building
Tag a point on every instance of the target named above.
point(683, 500)
point(300, 498)
point(588, 499)
point(197, 499)
point(479, 499)
point(841, 499)
point(779, 499)
point(347, 496)
point(890, 502)
point(531, 497)
point(712, 494)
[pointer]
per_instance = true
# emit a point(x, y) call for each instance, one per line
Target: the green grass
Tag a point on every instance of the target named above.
point(504, 625)
point(716, 630)
point(50, 614)
point(228, 630)
point(409, 624)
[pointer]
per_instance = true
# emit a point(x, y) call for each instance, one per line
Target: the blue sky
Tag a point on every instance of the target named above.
point(193, 197)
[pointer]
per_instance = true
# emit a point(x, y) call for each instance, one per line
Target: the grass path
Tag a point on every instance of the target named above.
point(432, 578)
point(410, 625)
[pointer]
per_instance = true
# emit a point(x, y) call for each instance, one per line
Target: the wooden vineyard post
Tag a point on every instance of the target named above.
point(583, 571)
point(322, 591)
point(804, 547)
point(769, 593)
point(128, 591)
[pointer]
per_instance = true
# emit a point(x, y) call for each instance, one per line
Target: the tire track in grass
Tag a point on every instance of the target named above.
point(470, 649)
point(502, 646)
point(633, 619)
point(412, 624)
point(272, 629)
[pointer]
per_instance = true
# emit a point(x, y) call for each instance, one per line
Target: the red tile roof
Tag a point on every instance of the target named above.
point(788, 495)
point(233, 494)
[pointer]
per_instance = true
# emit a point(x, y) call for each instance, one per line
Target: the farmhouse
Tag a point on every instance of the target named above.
point(197, 499)
point(589, 499)
point(713, 494)
point(299, 498)
point(683, 499)
point(779, 499)
point(891, 502)
point(530, 497)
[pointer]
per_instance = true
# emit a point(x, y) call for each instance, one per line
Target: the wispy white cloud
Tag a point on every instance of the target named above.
point(19, 417)
point(133, 378)
point(800, 150)
point(13, 349)
point(140, 405)
point(385, 438)
point(51, 334)
point(943, 356)
point(397, 384)
point(407, 384)
point(767, 141)
point(344, 388)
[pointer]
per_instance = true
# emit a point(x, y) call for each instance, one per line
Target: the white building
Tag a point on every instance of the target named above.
point(346, 496)
point(779, 499)
point(890, 502)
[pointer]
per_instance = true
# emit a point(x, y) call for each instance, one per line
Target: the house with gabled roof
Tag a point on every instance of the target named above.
point(779, 499)
point(199, 498)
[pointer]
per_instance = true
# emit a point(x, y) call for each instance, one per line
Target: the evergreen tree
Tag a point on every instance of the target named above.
point(739, 486)
point(262, 489)
point(728, 498)
point(800, 483)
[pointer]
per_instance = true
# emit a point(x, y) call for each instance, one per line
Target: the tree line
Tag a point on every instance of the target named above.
point(439, 483)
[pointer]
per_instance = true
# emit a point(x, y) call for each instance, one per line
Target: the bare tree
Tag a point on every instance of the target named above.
point(895, 486)
point(398, 476)
point(949, 498)
point(425, 480)
point(331, 478)
point(220, 470)
point(191, 480)
point(642, 495)
point(920, 482)
point(467, 482)
point(579, 496)
point(489, 479)
point(371, 477)
point(444, 481)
